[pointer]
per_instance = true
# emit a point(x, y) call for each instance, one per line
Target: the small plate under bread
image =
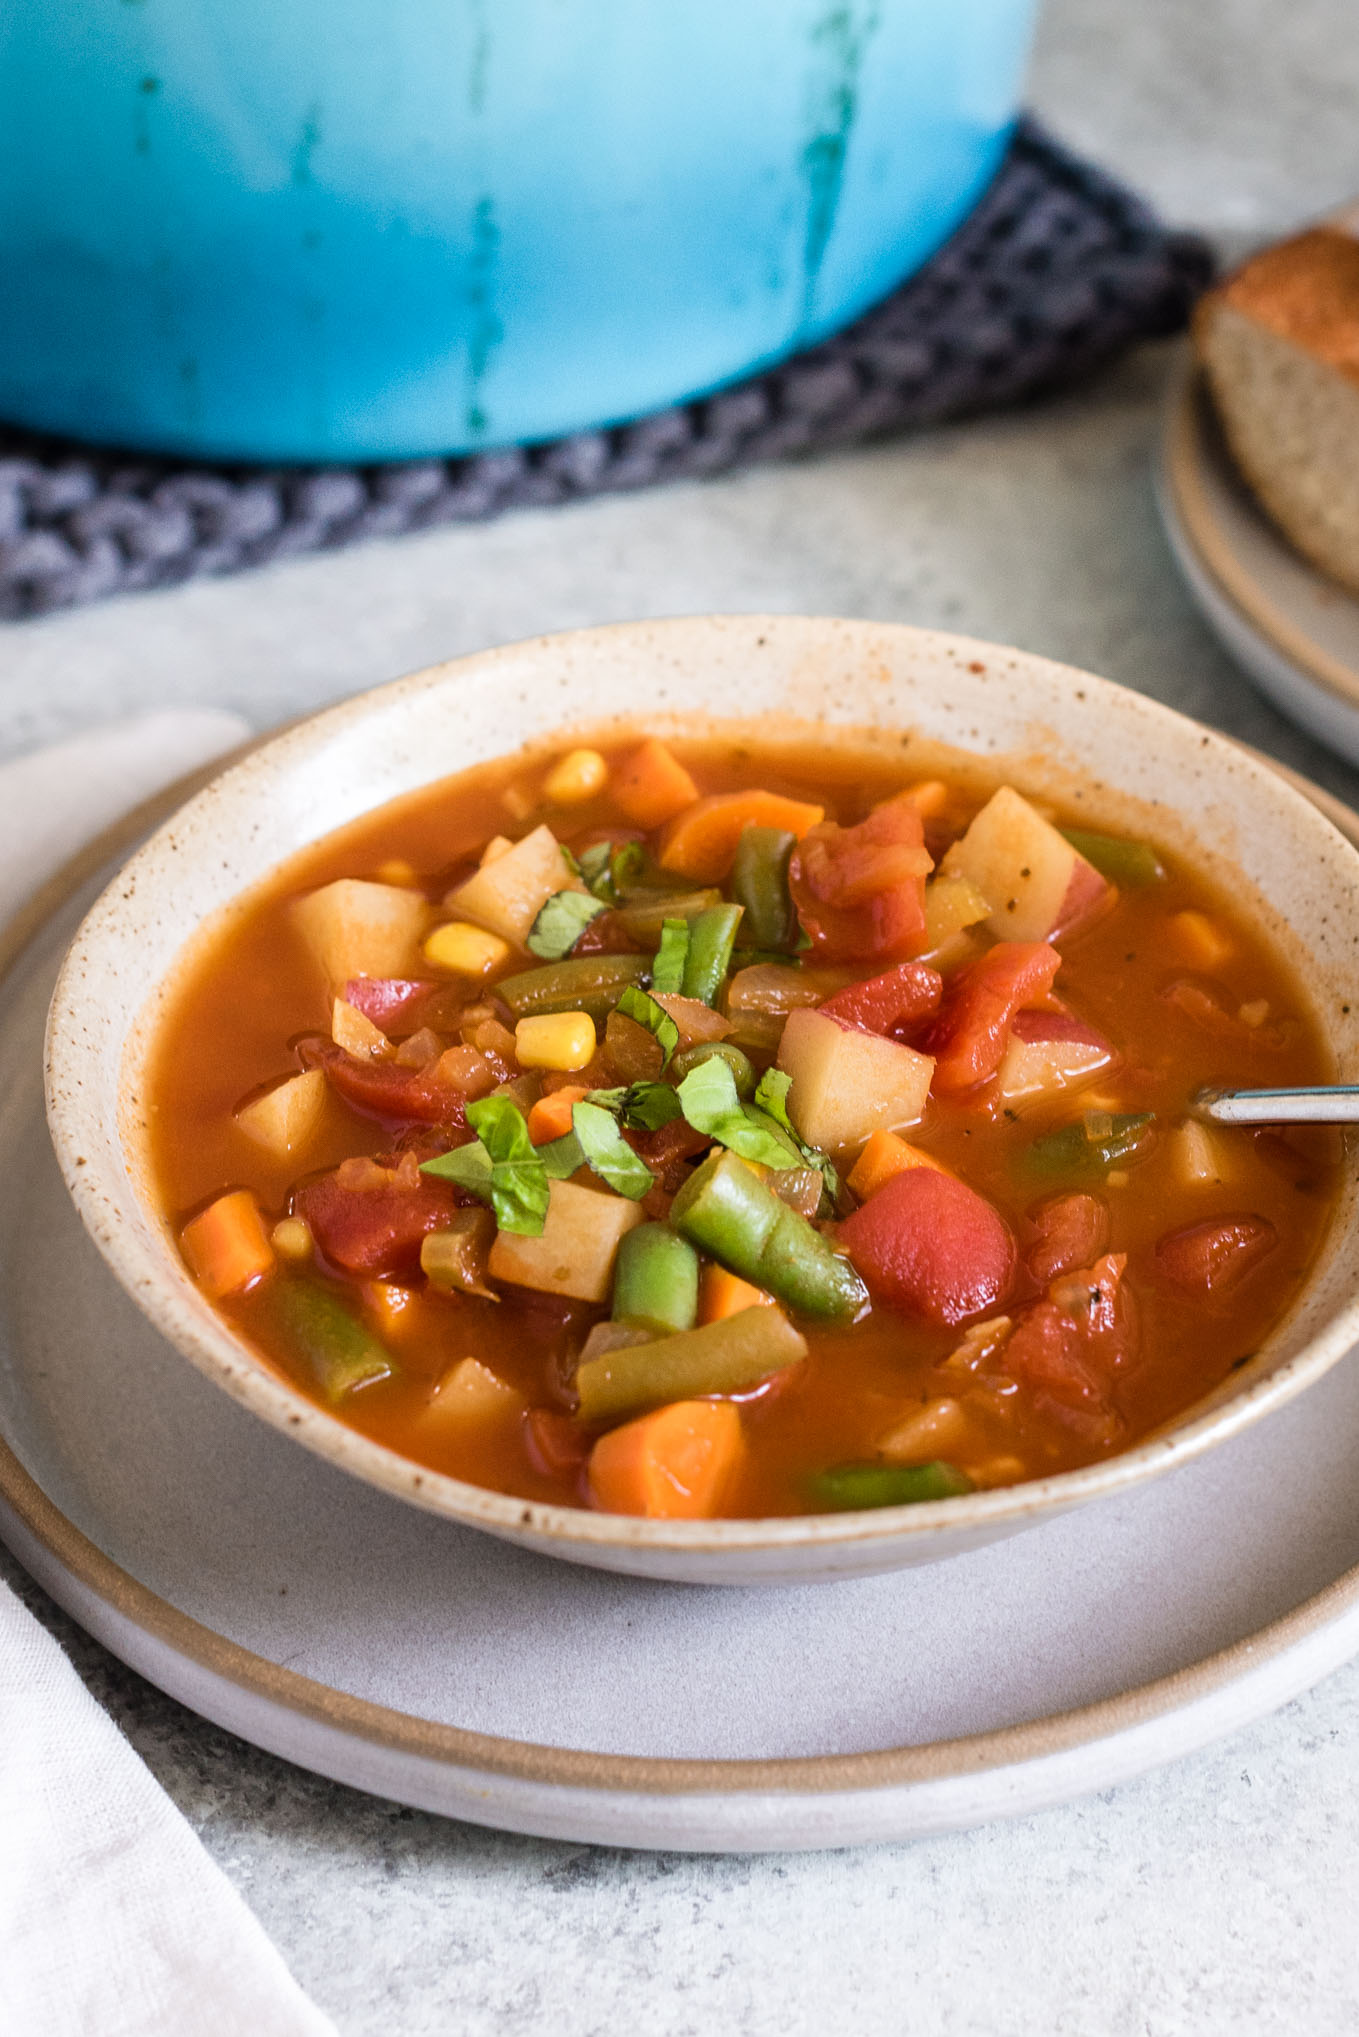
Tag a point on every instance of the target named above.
point(1292, 628)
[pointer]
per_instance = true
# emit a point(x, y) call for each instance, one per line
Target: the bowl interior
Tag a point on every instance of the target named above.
point(1052, 729)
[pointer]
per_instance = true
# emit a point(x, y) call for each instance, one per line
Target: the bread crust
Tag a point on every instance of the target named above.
point(1305, 290)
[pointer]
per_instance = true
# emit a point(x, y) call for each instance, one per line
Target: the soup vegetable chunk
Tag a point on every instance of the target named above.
point(709, 1128)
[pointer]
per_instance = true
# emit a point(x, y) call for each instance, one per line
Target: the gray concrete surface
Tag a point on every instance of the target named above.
point(1218, 1895)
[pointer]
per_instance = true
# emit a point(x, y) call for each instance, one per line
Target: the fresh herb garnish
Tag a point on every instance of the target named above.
point(710, 1103)
point(501, 1165)
point(504, 1167)
point(640, 1006)
point(771, 1096)
point(645, 1106)
point(667, 971)
point(561, 922)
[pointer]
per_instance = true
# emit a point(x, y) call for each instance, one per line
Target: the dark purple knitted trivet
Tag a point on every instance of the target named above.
point(1056, 269)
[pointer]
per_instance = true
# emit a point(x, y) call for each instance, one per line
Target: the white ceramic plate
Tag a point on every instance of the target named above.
point(343, 1629)
point(1294, 630)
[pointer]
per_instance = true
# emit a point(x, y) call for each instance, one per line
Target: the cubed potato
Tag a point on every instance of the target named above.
point(846, 1084)
point(576, 1252)
point(1032, 1069)
point(937, 1429)
point(1198, 1156)
point(470, 1396)
point(508, 894)
point(356, 928)
point(356, 1034)
point(285, 1120)
point(1032, 878)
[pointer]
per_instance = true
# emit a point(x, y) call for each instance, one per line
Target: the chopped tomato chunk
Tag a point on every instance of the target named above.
point(1067, 1348)
point(386, 1000)
point(968, 1038)
point(371, 1219)
point(929, 1243)
point(381, 1089)
point(557, 1443)
point(890, 1004)
point(1214, 1257)
point(860, 891)
point(1069, 1231)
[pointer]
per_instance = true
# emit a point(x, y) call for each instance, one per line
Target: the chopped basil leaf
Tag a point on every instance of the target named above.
point(593, 868)
point(711, 1105)
point(501, 1165)
point(639, 1005)
point(649, 1105)
point(667, 971)
point(608, 1153)
point(561, 1157)
point(626, 864)
point(644, 1105)
point(771, 1096)
point(572, 861)
point(561, 923)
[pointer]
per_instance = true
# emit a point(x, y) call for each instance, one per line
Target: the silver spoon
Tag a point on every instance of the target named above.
point(1334, 1103)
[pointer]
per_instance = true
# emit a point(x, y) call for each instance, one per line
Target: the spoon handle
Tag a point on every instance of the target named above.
point(1335, 1103)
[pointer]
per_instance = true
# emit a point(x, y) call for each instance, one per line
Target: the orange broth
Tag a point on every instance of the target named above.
point(254, 991)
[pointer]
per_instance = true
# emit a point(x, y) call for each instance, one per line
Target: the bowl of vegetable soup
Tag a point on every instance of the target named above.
point(714, 1099)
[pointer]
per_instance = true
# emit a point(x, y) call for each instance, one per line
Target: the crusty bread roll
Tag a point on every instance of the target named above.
point(1279, 341)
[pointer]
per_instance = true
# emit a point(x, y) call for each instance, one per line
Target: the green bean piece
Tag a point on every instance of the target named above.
point(340, 1352)
point(759, 882)
point(725, 1210)
point(655, 1282)
point(716, 1050)
point(1092, 1145)
point(851, 1487)
point(1131, 864)
point(712, 936)
point(726, 1357)
point(643, 917)
point(581, 983)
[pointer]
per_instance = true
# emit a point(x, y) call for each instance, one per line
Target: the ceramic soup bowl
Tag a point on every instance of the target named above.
point(1052, 729)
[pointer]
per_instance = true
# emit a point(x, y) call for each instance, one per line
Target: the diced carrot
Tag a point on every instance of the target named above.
point(550, 1117)
point(701, 842)
point(722, 1294)
point(227, 1246)
point(652, 786)
point(674, 1464)
point(883, 1156)
point(387, 1303)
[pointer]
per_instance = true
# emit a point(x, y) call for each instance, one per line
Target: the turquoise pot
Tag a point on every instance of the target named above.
point(381, 229)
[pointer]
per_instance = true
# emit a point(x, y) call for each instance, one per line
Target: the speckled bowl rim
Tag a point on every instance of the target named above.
point(164, 1292)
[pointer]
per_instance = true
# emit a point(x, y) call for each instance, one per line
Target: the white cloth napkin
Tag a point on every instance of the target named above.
point(113, 1920)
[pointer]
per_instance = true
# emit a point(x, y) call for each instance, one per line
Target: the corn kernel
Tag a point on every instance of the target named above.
point(291, 1239)
point(396, 870)
point(563, 1040)
point(465, 949)
point(1202, 940)
point(579, 775)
